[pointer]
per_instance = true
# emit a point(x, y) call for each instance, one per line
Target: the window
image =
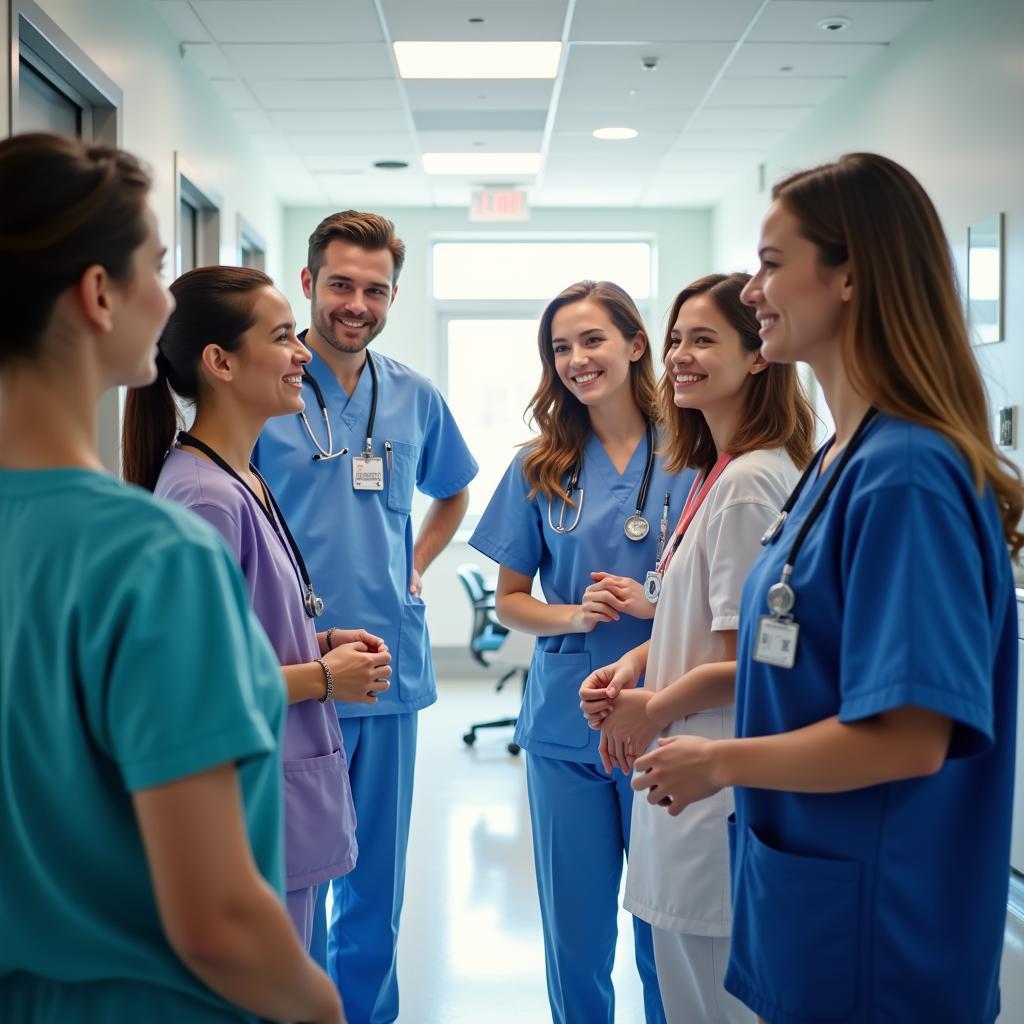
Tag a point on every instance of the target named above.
point(197, 233)
point(537, 270)
point(252, 249)
point(493, 371)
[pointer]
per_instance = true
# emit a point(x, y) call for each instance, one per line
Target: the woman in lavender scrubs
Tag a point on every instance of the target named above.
point(230, 348)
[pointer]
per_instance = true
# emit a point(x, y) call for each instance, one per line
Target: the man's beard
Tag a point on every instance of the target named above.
point(323, 326)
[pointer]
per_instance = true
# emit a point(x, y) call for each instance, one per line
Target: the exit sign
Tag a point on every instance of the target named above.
point(498, 204)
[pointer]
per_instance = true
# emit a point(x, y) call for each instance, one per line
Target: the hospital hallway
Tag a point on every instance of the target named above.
point(471, 950)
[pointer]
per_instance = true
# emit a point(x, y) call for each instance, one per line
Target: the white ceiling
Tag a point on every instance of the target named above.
point(315, 85)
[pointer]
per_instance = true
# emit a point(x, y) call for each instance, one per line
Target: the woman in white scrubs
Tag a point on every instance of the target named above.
point(747, 427)
point(876, 682)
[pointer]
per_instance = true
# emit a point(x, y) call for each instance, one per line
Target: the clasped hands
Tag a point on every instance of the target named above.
point(678, 772)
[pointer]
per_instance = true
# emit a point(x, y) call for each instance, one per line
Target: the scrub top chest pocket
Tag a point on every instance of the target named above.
point(400, 460)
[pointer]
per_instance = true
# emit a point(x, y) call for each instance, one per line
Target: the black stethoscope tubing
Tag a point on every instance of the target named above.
point(830, 485)
point(308, 378)
point(313, 605)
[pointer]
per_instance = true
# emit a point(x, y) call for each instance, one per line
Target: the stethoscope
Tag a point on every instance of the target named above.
point(781, 597)
point(636, 526)
point(326, 454)
point(313, 605)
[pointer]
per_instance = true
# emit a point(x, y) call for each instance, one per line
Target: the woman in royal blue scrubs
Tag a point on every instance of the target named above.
point(587, 495)
point(876, 681)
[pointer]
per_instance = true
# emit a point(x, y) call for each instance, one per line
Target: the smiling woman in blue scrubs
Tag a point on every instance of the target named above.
point(876, 679)
point(587, 495)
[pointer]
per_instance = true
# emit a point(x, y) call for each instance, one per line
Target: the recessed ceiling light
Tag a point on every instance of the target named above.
point(834, 24)
point(477, 60)
point(481, 163)
point(391, 165)
point(615, 133)
point(476, 21)
point(786, 67)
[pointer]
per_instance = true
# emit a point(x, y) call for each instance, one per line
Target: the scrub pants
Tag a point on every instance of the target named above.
point(580, 819)
point(691, 969)
point(301, 904)
point(362, 938)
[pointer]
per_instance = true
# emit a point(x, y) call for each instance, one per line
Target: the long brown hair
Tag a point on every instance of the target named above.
point(776, 411)
point(562, 419)
point(214, 306)
point(905, 344)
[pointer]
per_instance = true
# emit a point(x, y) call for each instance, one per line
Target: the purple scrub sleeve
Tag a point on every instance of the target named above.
point(320, 839)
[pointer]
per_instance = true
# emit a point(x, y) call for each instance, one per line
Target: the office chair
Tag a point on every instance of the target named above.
point(486, 638)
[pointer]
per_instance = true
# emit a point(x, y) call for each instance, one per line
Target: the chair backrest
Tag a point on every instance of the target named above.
point(485, 634)
point(473, 580)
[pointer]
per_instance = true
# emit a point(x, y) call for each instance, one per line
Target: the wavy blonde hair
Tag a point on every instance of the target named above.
point(563, 420)
point(776, 411)
point(905, 344)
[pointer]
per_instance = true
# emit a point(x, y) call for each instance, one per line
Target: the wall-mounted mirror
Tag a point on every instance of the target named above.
point(985, 279)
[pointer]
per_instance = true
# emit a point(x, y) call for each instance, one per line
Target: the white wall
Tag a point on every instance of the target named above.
point(168, 105)
point(946, 100)
point(412, 334)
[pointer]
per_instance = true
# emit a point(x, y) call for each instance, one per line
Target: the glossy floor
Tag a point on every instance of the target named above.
point(471, 949)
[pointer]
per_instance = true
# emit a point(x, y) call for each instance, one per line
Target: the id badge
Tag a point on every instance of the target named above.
point(368, 473)
point(776, 642)
point(652, 586)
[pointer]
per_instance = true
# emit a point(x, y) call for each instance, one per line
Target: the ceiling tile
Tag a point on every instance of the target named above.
point(681, 20)
point(598, 76)
point(481, 141)
point(772, 92)
point(271, 143)
point(719, 142)
point(480, 120)
point(643, 119)
point(181, 20)
point(254, 121)
point(706, 161)
point(342, 121)
point(336, 163)
point(235, 94)
point(524, 20)
point(310, 60)
point(807, 60)
point(336, 94)
point(385, 146)
point(479, 95)
point(742, 119)
point(796, 21)
point(609, 152)
point(290, 21)
point(210, 60)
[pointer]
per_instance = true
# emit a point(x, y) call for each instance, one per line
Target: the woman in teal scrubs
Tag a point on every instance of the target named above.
point(140, 703)
point(590, 496)
point(877, 662)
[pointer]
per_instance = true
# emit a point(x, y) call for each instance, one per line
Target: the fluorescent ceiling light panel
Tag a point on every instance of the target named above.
point(477, 60)
point(481, 163)
point(615, 133)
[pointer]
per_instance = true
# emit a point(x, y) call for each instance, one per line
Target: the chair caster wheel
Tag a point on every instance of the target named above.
point(469, 739)
point(513, 749)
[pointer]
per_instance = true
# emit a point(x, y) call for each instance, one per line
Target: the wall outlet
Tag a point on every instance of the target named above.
point(1006, 427)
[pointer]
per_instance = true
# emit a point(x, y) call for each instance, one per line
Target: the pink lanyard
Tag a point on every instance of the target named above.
point(694, 500)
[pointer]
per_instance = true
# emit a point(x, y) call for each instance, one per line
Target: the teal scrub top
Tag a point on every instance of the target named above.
point(129, 658)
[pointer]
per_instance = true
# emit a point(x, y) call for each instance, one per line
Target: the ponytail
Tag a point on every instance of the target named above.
point(213, 306)
point(151, 422)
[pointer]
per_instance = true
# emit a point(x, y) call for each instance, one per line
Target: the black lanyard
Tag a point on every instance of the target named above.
point(785, 595)
point(312, 381)
point(313, 605)
point(641, 498)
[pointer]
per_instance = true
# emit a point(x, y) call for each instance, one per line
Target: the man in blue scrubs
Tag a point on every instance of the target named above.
point(351, 517)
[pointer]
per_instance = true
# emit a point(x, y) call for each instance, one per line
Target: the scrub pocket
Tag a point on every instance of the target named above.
point(798, 942)
point(551, 708)
point(319, 822)
point(402, 476)
point(416, 678)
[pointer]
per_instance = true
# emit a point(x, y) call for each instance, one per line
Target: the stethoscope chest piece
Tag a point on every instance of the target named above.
point(636, 527)
point(313, 603)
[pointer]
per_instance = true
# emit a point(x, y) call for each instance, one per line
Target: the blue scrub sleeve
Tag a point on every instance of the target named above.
point(446, 465)
point(915, 622)
point(510, 531)
point(179, 677)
